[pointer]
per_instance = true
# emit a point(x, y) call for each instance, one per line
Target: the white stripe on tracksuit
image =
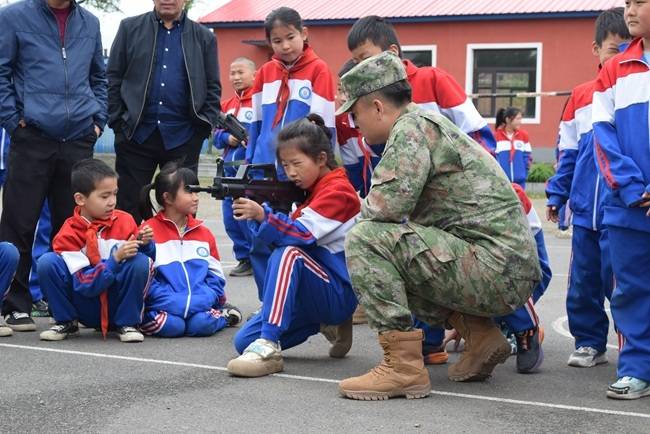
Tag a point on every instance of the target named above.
point(283, 280)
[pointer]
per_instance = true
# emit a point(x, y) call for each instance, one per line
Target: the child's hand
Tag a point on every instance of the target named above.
point(246, 209)
point(127, 250)
point(232, 141)
point(552, 214)
point(145, 235)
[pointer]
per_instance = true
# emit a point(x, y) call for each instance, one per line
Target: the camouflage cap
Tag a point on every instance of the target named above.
point(372, 74)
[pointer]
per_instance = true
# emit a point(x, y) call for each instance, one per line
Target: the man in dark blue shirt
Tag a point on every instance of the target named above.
point(166, 112)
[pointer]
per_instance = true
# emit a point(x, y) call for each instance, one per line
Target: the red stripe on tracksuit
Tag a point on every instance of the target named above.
point(287, 263)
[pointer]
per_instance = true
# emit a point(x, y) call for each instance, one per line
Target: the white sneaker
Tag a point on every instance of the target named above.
point(260, 358)
point(130, 334)
point(5, 330)
point(586, 357)
point(628, 388)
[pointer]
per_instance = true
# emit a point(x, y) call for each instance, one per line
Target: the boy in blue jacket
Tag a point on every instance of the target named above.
point(578, 183)
point(622, 148)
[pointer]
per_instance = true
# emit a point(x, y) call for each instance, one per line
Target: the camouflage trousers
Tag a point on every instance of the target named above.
point(402, 269)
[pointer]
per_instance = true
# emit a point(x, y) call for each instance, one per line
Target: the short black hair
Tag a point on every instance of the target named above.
point(283, 16)
point(398, 94)
point(311, 136)
point(86, 174)
point(347, 67)
point(375, 29)
point(611, 22)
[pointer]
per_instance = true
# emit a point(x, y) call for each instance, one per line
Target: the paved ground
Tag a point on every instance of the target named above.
point(86, 384)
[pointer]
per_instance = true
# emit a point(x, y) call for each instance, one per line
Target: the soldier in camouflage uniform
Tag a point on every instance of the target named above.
point(442, 235)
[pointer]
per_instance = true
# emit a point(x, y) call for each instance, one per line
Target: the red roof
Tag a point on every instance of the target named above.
point(241, 11)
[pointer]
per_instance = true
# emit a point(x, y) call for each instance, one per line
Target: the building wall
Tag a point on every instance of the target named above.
point(566, 55)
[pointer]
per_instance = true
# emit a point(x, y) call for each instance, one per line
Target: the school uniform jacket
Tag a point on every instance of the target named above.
point(513, 154)
point(283, 94)
point(622, 136)
point(577, 179)
point(240, 106)
point(70, 243)
point(318, 226)
point(189, 277)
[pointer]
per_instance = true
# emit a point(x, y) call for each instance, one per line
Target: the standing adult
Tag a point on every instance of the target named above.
point(163, 95)
point(53, 104)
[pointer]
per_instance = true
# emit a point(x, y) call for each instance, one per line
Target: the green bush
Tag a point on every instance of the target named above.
point(540, 172)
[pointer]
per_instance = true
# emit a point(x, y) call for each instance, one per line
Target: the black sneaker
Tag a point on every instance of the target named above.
point(232, 314)
point(20, 322)
point(40, 309)
point(60, 331)
point(244, 268)
point(529, 351)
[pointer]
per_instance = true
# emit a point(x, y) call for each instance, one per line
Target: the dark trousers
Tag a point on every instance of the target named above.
point(136, 164)
point(39, 169)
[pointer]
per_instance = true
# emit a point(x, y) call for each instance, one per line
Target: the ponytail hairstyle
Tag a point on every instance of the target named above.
point(310, 136)
point(506, 113)
point(168, 180)
point(282, 16)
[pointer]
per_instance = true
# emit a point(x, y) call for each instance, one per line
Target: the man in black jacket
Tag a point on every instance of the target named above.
point(53, 104)
point(163, 95)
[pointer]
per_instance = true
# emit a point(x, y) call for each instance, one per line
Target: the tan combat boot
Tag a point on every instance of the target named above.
point(340, 337)
point(401, 373)
point(485, 346)
point(359, 316)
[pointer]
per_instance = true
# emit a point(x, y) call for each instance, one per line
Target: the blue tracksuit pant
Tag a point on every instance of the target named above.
point(166, 325)
point(299, 296)
point(630, 303)
point(237, 231)
point(590, 281)
point(40, 247)
point(125, 296)
point(8, 262)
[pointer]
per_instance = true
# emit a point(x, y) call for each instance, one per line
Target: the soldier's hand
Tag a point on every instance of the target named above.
point(246, 209)
point(127, 250)
point(552, 214)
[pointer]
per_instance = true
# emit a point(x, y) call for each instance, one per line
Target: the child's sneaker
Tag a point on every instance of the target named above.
point(5, 330)
point(586, 357)
point(40, 309)
point(20, 322)
point(130, 334)
point(60, 331)
point(529, 351)
point(628, 388)
point(244, 268)
point(232, 314)
point(262, 357)
point(434, 355)
point(340, 336)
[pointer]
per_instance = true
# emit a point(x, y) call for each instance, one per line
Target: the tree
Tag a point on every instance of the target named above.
point(103, 5)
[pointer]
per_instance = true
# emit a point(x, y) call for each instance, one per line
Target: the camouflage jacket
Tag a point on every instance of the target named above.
point(434, 175)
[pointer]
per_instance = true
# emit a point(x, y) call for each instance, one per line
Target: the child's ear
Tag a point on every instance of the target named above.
point(167, 198)
point(322, 159)
point(595, 49)
point(79, 199)
point(304, 34)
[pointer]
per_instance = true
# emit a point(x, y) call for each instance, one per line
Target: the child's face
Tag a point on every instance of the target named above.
point(515, 123)
point(184, 203)
point(288, 42)
point(100, 203)
point(300, 168)
point(637, 17)
point(241, 76)
point(608, 49)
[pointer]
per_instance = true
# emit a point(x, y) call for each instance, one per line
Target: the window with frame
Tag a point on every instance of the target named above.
point(420, 55)
point(503, 69)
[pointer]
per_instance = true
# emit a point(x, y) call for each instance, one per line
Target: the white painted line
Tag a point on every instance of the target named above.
point(332, 381)
point(558, 326)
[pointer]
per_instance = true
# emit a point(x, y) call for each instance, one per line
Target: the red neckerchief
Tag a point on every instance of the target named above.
point(307, 57)
point(320, 185)
point(512, 142)
point(92, 229)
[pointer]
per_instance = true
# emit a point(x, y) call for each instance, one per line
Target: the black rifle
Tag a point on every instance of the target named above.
point(280, 195)
point(231, 124)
